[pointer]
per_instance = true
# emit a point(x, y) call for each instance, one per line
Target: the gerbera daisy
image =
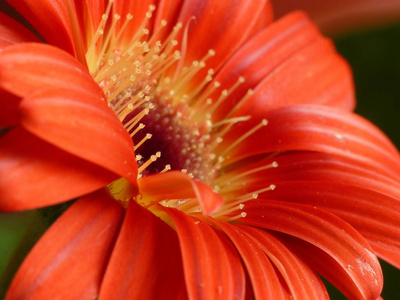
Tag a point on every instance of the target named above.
point(212, 153)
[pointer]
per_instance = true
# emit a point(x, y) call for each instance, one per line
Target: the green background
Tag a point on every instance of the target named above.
point(374, 58)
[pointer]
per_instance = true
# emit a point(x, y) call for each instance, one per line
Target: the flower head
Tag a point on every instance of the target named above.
point(212, 153)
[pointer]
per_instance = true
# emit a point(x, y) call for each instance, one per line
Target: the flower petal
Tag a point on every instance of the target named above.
point(235, 22)
point(335, 16)
point(146, 261)
point(375, 215)
point(264, 280)
point(178, 185)
point(81, 124)
point(212, 266)
point(314, 75)
point(35, 174)
point(273, 53)
point(61, 265)
point(347, 248)
point(11, 32)
point(301, 280)
point(50, 19)
point(313, 128)
point(26, 68)
point(9, 112)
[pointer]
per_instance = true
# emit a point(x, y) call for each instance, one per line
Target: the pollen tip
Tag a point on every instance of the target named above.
point(272, 187)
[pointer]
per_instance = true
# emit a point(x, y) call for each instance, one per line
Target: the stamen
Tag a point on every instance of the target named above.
point(152, 159)
point(244, 136)
point(167, 168)
point(146, 137)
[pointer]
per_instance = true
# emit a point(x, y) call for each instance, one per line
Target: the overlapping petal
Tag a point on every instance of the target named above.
point(264, 279)
point(212, 266)
point(178, 185)
point(236, 20)
point(301, 280)
point(50, 19)
point(61, 265)
point(12, 32)
point(81, 124)
point(29, 67)
point(272, 56)
point(35, 174)
point(315, 128)
point(347, 248)
point(146, 261)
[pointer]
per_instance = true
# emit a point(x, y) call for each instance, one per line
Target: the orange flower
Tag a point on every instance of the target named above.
point(213, 153)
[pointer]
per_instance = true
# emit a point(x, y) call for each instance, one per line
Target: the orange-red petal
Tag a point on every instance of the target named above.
point(178, 185)
point(347, 248)
point(146, 261)
point(212, 267)
point(9, 112)
point(301, 280)
point(80, 123)
point(264, 280)
point(69, 260)
point(218, 25)
point(315, 128)
point(35, 174)
point(50, 19)
point(11, 32)
point(28, 67)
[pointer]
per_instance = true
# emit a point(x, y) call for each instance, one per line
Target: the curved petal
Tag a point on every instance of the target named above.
point(81, 124)
point(212, 266)
point(26, 68)
point(301, 280)
point(273, 51)
point(313, 128)
point(147, 258)
point(218, 25)
point(138, 9)
point(335, 16)
point(325, 265)
point(314, 75)
point(178, 185)
point(11, 32)
point(347, 248)
point(50, 19)
point(61, 265)
point(9, 112)
point(264, 280)
point(375, 215)
point(35, 174)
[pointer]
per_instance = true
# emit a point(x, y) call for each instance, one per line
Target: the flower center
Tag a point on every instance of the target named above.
point(145, 84)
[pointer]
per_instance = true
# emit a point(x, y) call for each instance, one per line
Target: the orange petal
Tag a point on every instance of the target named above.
point(26, 68)
point(315, 128)
point(146, 262)
point(212, 266)
point(261, 56)
point(375, 215)
point(81, 124)
point(69, 260)
point(264, 280)
point(335, 16)
point(50, 19)
point(301, 280)
point(11, 32)
point(9, 112)
point(218, 25)
point(178, 185)
point(348, 249)
point(35, 174)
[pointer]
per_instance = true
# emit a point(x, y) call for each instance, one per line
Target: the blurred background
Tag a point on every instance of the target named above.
point(374, 55)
